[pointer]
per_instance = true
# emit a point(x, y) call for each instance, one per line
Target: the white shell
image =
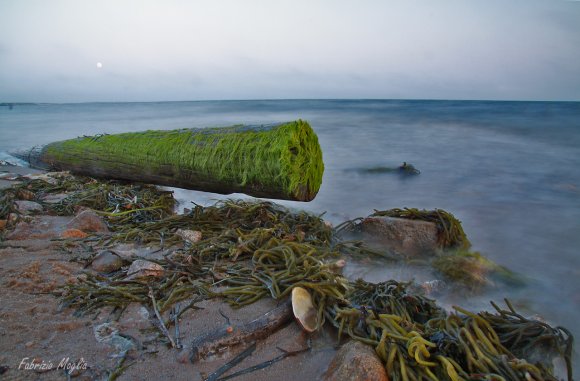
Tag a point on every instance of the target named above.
point(303, 309)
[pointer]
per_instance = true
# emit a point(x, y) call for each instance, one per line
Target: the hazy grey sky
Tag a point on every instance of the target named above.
point(254, 49)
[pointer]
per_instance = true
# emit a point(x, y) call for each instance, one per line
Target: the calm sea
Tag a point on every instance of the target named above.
point(510, 171)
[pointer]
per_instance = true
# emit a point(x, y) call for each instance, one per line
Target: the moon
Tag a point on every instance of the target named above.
point(99, 65)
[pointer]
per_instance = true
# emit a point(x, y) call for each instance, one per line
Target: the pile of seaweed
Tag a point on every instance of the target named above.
point(250, 250)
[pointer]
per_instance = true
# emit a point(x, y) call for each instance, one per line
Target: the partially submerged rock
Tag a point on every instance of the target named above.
point(474, 271)
point(410, 238)
point(356, 361)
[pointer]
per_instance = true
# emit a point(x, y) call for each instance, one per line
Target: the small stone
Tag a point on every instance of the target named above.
point(29, 344)
point(356, 361)
point(9, 176)
point(48, 177)
point(125, 251)
point(88, 221)
point(106, 262)
point(25, 194)
point(337, 266)
point(191, 236)
point(141, 269)
point(73, 233)
point(183, 356)
point(410, 238)
point(28, 207)
point(54, 198)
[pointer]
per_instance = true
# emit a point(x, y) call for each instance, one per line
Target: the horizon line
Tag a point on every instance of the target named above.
point(7, 103)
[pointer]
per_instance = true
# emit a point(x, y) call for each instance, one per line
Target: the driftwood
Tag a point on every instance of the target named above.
point(275, 161)
point(226, 337)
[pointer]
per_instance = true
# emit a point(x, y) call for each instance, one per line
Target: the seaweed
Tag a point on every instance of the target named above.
point(276, 161)
point(254, 249)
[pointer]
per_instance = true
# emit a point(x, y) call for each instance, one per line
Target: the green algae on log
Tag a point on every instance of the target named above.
point(282, 161)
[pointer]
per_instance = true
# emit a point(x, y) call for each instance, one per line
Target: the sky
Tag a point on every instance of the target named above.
point(142, 50)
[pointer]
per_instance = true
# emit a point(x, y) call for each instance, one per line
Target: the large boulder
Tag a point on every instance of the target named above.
point(356, 361)
point(410, 238)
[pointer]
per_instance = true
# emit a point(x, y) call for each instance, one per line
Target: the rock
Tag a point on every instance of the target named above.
point(410, 238)
point(356, 361)
point(191, 236)
point(106, 262)
point(73, 233)
point(54, 198)
point(50, 177)
point(9, 176)
point(125, 250)
point(141, 269)
point(28, 207)
point(3, 224)
point(13, 218)
point(25, 194)
point(39, 227)
point(88, 221)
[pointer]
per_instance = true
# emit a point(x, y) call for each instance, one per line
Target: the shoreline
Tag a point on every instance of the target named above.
point(52, 245)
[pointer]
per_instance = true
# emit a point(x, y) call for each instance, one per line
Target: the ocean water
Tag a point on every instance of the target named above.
point(510, 171)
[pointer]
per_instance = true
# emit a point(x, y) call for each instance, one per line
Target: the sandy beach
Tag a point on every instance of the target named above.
point(34, 329)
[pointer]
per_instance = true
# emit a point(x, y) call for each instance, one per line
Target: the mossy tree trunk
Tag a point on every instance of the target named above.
point(281, 161)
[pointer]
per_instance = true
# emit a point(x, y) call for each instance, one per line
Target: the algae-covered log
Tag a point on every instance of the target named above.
point(276, 161)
